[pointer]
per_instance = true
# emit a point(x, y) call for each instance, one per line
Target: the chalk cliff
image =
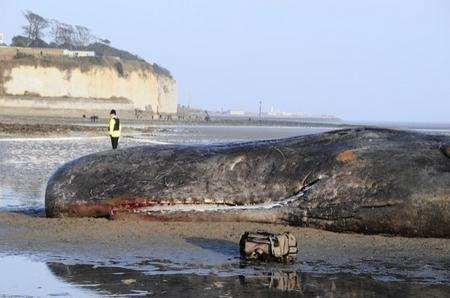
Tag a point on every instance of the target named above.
point(85, 83)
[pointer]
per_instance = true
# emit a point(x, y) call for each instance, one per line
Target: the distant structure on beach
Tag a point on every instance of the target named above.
point(277, 112)
point(236, 113)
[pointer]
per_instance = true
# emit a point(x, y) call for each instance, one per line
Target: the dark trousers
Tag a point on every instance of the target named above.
point(114, 142)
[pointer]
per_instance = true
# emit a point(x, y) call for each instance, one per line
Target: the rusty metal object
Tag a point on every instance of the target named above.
point(364, 180)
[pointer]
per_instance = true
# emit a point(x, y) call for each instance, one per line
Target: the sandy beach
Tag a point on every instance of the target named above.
point(116, 239)
point(212, 248)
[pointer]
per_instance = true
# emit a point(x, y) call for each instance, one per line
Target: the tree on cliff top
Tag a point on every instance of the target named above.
point(69, 36)
point(83, 36)
point(63, 34)
point(34, 30)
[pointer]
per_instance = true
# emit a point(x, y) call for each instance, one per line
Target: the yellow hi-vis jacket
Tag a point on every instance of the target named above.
point(114, 133)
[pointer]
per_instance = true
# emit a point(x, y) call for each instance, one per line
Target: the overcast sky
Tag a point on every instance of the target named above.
point(376, 60)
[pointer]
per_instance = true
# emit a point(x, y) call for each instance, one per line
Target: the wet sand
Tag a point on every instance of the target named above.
point(57, 126)
point(124, 242)
point(60, 130)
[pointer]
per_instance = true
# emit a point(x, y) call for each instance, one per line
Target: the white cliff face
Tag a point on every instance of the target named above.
point(140, 86)
point(167, 95)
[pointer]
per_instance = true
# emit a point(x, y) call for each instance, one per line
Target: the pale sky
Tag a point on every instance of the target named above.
point(375, 60)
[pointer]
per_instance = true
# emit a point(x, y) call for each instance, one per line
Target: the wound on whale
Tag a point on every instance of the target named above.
point(364, 180)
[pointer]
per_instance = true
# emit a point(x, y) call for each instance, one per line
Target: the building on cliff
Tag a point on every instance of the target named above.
point(38, 81)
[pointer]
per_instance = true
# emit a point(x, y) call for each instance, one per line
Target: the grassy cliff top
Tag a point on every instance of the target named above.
point(65, 63)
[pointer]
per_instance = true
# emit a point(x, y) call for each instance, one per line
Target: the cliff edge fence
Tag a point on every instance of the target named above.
point(57, 82)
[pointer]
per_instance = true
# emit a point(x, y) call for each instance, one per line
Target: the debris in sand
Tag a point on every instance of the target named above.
point(128, 281)
point(266, 246)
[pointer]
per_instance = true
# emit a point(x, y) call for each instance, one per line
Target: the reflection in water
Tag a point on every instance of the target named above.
point(120, 281)
point(285, 281)
point(22, 277)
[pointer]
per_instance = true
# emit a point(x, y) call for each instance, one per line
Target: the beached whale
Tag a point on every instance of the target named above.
point(365, 180)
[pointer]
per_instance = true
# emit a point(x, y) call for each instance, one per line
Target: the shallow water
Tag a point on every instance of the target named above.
point(20, 276)
point(37, 278)
point(26, 165)
point(210, 268)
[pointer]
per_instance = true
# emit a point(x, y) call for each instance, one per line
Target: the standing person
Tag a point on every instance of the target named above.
point(114, 129)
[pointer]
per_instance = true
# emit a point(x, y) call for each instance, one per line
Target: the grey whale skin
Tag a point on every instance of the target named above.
point(364, 180)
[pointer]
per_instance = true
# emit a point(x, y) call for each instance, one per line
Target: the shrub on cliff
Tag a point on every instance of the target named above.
point(20, 41)
point(102, 49)
point(161, 70)
point(23, 41)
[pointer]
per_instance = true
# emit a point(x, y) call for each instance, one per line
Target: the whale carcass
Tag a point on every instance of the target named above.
point(365, 180)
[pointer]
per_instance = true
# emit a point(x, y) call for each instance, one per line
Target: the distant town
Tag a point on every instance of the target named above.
point(187, 112)
point(272, 112)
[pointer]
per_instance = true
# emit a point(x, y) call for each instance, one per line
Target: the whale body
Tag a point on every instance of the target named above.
point(364, 180)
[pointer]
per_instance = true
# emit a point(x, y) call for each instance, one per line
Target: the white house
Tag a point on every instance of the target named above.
point(70, 53)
